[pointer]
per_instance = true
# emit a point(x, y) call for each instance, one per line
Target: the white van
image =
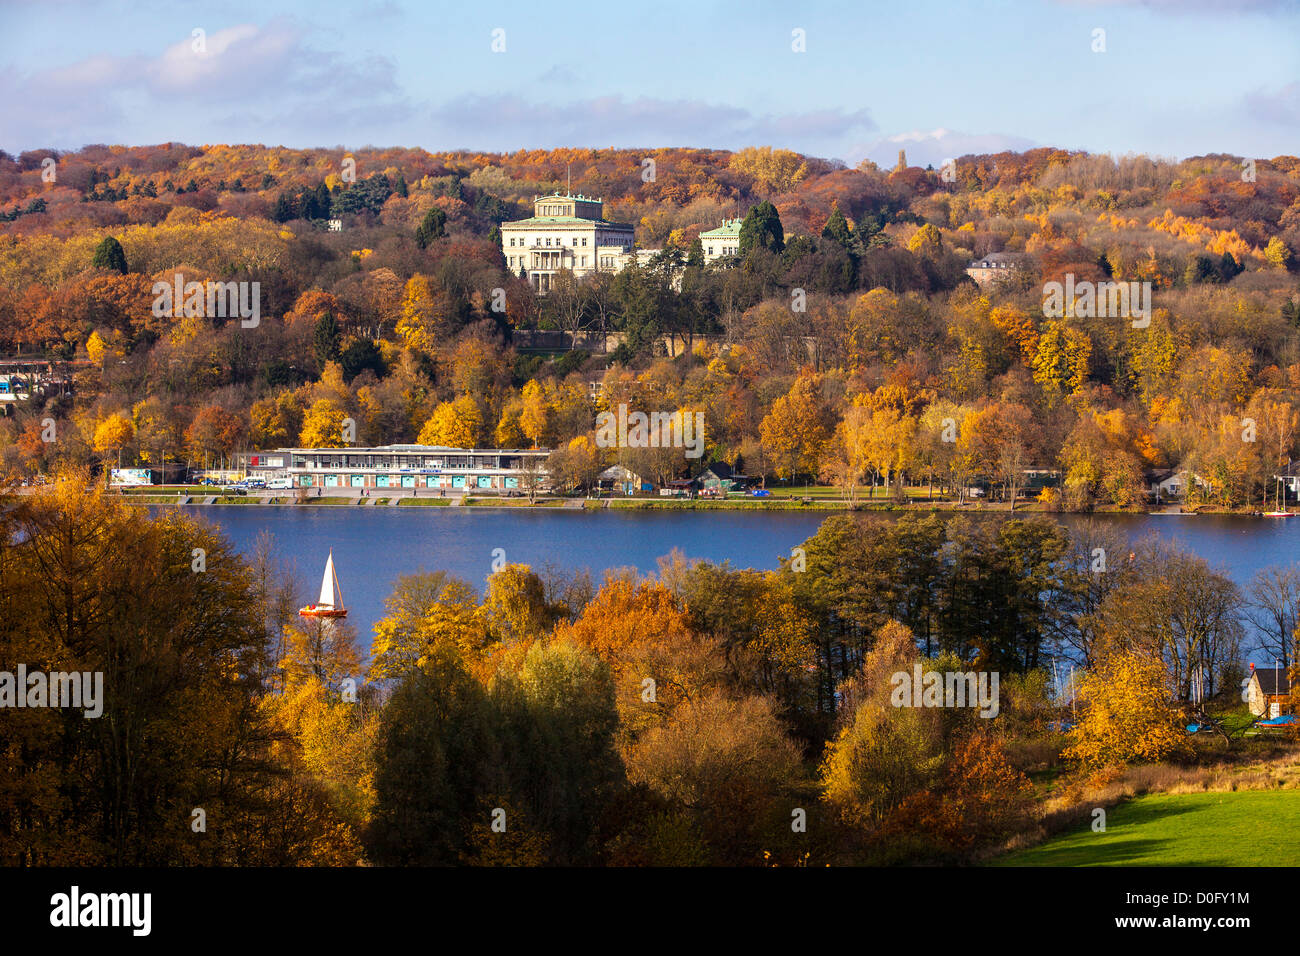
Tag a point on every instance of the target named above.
point(279, 483)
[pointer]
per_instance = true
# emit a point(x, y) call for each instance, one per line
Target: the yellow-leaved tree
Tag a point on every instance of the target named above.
point(774, 171)
point(797, 428)
point(322, 426)
point(423, 313)
point(112, 435)
point(1127, 713)
point(534, 416)
point(883, 754)
point(453, 424)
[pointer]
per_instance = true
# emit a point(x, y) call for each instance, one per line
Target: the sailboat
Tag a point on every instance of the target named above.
point(1283, 513)
point(331, 596)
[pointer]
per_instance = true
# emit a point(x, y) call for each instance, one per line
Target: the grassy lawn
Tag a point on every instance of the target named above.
point(1246, 828)
point(775, 490)
point(863, 493)
point(514, 503)
point(715, 504)
point(423, 502)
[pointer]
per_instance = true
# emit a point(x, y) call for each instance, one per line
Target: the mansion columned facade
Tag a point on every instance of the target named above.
point(566, 232)
point(571, 233)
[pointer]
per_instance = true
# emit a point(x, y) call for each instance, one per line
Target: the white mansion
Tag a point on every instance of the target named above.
point(570, 232)
point(721, 242)
point(567, 232)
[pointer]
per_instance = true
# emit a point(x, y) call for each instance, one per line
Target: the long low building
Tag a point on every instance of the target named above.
point(399, 466)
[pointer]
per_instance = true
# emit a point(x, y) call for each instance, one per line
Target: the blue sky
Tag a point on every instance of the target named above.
point(1177, 77)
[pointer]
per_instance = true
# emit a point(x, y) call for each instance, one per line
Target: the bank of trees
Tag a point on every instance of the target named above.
point(844, 344)
point(700, 715)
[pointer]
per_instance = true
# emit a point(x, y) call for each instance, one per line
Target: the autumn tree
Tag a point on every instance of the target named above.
point(883, 753)
point(515, 606)
point(183, 657)
point(724, 765)
point(774, 171)
point(577, 464)
point(322, 426)
point(214, 432)
point(112, 434)
point(1127, 715)
point(454, 424)
point(424, 315)
point(427, 612)
point(796, 429)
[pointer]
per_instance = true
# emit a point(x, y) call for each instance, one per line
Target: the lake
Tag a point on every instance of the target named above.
point(374, 546)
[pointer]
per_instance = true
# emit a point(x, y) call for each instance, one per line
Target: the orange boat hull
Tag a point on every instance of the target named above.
point(312, 610)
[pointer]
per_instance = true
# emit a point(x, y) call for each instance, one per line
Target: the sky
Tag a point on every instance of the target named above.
point(840, 80)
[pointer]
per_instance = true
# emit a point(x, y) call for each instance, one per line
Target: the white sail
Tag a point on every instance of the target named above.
point(327, 584)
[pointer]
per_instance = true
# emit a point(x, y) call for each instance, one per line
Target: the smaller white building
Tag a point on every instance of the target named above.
point(723, 242)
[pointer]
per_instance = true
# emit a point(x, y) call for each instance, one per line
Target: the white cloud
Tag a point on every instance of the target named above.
point(251, 83)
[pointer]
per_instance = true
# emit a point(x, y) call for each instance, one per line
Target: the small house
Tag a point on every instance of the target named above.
point(988, 269)
point(622, 481)
point(678, 488)
point(1172, 483)
point(1268, 692)
point(720, 477)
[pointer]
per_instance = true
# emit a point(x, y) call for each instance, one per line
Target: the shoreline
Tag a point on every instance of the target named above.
point(785, 503)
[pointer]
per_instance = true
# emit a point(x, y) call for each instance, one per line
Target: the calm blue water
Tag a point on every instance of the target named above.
point(373, 546)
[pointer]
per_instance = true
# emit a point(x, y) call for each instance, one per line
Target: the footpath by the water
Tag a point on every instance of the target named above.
point(414, 497)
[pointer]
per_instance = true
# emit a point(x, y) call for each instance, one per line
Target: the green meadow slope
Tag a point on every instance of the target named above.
point(1245, 828)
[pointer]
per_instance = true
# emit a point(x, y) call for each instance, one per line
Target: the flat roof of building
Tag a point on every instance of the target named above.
point(413, 449)
point(563, 221)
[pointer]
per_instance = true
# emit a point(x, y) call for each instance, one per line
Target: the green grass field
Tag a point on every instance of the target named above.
point(514, 503)
point(714, 504)
point(778, 490)
point(1246, 828)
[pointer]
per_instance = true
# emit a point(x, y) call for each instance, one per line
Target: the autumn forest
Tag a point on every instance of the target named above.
point(703, 714)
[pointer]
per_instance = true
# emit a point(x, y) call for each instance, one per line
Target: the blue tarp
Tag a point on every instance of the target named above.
point(1282, 721)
